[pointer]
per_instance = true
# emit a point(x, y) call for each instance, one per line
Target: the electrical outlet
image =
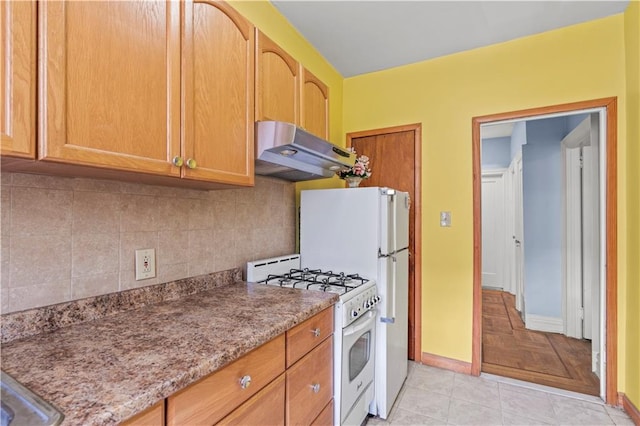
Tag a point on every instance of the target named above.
point(145, 264)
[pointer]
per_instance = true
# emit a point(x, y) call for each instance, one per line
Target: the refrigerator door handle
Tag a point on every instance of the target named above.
point(391, 318)
point(384, 255)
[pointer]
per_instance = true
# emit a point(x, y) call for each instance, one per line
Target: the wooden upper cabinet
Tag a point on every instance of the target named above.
point(218, 75)
point(277, 82)
point(314, 105)
point(110, 84)
point(18, 81)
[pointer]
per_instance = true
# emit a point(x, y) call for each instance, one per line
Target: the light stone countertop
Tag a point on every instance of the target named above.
point(107, 370)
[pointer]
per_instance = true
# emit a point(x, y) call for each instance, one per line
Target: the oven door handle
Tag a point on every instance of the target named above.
point(362, 323)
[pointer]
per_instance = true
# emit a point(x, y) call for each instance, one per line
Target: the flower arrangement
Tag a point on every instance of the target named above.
point(359, 169)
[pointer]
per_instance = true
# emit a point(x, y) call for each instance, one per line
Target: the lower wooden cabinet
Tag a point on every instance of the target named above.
point(153, 416)
point(212, 398)
point(310, 385)
point(260, 388)
point(325, 418)
point(264, 408)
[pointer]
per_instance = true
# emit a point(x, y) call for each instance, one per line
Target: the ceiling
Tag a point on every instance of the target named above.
point(359, 37)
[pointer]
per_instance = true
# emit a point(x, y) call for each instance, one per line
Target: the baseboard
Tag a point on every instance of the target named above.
point(542, 323)
point(629, 408)
point(446, 363)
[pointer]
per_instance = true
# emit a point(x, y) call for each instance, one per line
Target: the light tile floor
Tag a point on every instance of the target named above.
point(433, 396)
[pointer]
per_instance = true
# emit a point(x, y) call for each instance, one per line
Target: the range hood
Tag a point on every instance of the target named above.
point(288, 152)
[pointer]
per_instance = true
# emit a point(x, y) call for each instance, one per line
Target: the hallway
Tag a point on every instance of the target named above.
point(551, 359)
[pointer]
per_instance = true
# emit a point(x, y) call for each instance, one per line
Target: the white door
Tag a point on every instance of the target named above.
point(493, 229)
point(582, 227)
point(591, 242)
point(509, 223)
point(518, 236)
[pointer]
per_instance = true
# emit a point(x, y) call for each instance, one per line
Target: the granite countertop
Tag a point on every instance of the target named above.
point(106, 370)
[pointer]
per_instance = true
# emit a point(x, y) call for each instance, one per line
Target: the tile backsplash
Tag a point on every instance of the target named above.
point(64, 239)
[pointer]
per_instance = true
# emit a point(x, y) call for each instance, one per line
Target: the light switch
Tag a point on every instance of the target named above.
point(445, 219)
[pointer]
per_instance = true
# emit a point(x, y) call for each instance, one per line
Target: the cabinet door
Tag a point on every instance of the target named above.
point(310, 385)
point(18, 82)
point(153, 416)
point(314, 109)
point(264, 408)
point(218, 74)
point(214, 397)
point(110, 84)
point(277, 82)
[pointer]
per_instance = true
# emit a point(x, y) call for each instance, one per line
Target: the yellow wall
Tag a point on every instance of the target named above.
point(580, 62)
point(585, 61)
point(632, 355)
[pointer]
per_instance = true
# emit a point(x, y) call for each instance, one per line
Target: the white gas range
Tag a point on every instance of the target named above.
point(354, 327)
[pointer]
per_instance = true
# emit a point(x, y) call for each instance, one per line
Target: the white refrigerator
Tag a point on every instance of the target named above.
point(366, 231)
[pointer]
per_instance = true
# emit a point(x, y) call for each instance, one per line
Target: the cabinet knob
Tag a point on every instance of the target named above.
point(315, 387)
point(191, 163)
point(316, 332)
point(177, 161)
point(245, 381)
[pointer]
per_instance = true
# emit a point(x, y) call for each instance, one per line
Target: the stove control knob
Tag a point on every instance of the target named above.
point(366, 304)
point(377, 299)
point(354, 313)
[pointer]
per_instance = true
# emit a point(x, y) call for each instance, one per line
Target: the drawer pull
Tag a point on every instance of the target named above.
point(191, 163)
point(316, 332)
point(245, 381)
point(315, 387)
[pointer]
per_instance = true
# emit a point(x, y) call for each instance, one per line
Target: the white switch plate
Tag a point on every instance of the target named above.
point(445, 219)
point(145, 264)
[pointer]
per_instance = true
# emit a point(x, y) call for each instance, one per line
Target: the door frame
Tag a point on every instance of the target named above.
point(611, 209)
point(417, 225)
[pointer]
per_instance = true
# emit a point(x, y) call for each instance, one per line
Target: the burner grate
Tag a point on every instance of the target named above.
point(316, 279)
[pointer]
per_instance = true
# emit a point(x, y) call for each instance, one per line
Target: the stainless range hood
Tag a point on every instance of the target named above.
point(291, 153)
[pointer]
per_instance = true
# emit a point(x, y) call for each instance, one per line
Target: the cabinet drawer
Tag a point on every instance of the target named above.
point(325, 418)
point(212, 398)
point(264, 408)
point(153, 416)
point(307, 335)
point(310, 385)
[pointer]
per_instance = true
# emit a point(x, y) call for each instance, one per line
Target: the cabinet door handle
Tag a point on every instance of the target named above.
point(316, 332)
point(191, 163)
point(315, 387)
point(177, 161)
point(245, 381)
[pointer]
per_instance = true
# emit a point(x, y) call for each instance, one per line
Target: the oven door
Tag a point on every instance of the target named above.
point(358, 343)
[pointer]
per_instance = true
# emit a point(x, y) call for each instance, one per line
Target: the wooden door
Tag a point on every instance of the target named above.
point(394, 155)
point(314, 105)
point(18, 82)
point(110, 84)
point(218, 75)
point(277, 82)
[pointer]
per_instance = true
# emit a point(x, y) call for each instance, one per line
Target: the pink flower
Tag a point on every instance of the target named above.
point(360, 168)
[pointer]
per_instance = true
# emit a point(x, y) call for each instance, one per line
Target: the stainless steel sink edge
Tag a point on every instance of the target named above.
point(20, 406)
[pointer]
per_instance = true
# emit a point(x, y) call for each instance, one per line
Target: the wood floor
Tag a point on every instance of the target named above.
point(510, 350)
